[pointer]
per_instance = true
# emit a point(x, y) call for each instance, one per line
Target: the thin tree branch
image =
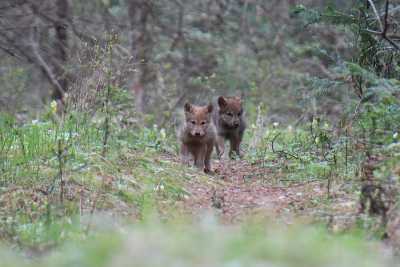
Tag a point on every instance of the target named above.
point(386, 18)
point(179, 35)
point(384, 27)
point(43, 65)
point(392, 43)
point(11, 53)
point(384, 31)
point(376, 14)
point(393, 36)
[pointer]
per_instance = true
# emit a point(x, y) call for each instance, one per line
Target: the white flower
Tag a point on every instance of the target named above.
point(395, 135)
point(275, 124)
point(34, 122)
point(290, 128)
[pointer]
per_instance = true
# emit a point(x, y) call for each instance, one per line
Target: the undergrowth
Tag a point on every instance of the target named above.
point(55, 176)
point(62, 194)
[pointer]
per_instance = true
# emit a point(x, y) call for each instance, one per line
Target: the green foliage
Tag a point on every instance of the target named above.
point(329, 15)
point(372, 50)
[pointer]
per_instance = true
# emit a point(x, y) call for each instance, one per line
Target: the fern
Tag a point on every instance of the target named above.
point(329, 15)
point(322, 86)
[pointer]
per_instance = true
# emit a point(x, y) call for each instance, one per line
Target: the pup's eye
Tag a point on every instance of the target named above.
point(203, 123)
point(193, 122)
point(240, 113)
point(230, 114)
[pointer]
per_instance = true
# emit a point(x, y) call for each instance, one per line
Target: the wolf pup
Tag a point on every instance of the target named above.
point(230, 124)
point(198, 136)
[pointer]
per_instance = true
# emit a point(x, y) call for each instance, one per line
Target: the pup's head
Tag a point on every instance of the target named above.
point(230, 111)
point(198, 119)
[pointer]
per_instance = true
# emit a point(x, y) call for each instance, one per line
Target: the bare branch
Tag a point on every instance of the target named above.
point(384, 27)
point(376, 14)
point(373, 32)
point(10, 52)
point(392, 43)
point(392, 36)
point(384, 31)
point(43, 65)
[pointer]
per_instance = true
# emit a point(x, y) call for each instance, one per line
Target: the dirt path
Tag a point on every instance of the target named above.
point(243, 189)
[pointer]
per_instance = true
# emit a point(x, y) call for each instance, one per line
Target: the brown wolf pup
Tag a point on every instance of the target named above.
point(198, 136)
point(230, 124)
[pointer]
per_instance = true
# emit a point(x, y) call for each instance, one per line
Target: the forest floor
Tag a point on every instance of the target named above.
point(235, 191)
point(239, 189)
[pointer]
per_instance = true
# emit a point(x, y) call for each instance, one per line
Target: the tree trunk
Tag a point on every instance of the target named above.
point(141, 45)
point(61, 46)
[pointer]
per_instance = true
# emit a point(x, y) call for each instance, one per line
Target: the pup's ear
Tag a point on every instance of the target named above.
point(241, 94)
point(222, 102)
point(188, 107)
point(210, 108)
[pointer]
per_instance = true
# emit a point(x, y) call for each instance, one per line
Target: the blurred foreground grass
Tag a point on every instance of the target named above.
point(207, 243)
